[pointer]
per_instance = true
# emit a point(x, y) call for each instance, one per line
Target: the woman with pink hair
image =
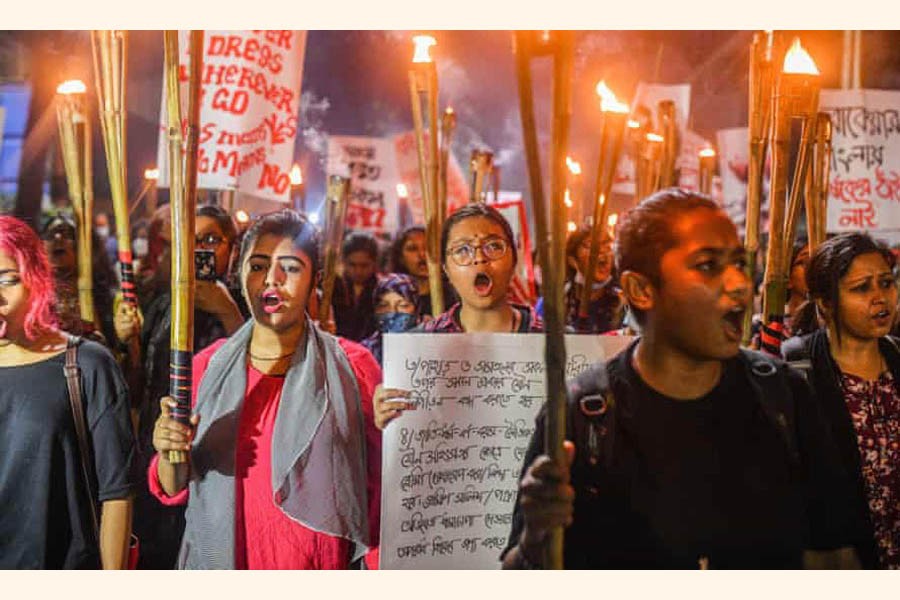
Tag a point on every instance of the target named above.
point(47, 520)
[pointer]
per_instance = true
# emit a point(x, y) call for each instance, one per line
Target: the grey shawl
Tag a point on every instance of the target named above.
point(318, 449)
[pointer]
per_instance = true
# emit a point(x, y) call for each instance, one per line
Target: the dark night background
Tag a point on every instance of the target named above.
point(355, 83)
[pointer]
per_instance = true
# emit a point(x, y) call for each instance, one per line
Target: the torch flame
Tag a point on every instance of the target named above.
point(423, 43)
point(151, 174)
point(296, 175)
point(572, 226)
point(402, 191)
point(707, 152)
point(798, 60)
point(72, 86)
point(608, 100)
point(612, 220)
point(652, 137)
point(632, 124)
point(574, 166)
point(241, 216)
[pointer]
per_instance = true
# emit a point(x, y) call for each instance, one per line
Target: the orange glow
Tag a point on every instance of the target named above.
point(72, 86)
point(572, 226)
point(423, 43)
point(151, 174)
point(608, 100)
point(652, 137)
point(612, 220)
point(632, 124)
point(797, 60)
point(568, 199)
point(402, 191)
point(296, 175)
point(707, 153)
point(242, 217)
point(574, 166)
point(545, 36)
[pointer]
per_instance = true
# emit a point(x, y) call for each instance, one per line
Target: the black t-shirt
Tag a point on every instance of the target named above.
point(708, 479)
point(45, 517)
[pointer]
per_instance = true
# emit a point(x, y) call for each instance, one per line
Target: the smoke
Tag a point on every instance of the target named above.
point(312, 117)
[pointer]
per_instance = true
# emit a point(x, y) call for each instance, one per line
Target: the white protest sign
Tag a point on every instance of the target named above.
point(450, 468)
point(371, 164)
point(249, 107)
point(864, 191)
point(408, 167)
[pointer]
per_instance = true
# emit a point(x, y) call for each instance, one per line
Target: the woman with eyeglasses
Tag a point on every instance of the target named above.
point(854, 367)
point(478, 252)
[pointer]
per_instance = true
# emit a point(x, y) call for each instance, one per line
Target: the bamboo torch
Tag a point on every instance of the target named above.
point(550, 226)
point(75, 140)
point(669, 152)
point(612, 130)
point(423, 86)
point(707, 158)
point(335, 215)
point(481, 165)
point(109, 48)
point(183, 202)
point(650, 160)
point(817, 197)
point(448, 126)
point(796, 93)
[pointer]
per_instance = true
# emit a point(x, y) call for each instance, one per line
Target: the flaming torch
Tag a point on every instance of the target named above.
point(335, 216)
point(550, 221)
point(615, 119)
point(649, 165)
point(669, 132)
point(448, 126)
point(481, 165)
point(796, 94)
point(817, 196)
point(423, 87)
point(707, 167)
point(75, 141)
point(110, 53)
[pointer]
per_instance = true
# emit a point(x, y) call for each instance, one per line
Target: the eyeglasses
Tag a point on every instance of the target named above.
point(210, 241)
point(464, 254)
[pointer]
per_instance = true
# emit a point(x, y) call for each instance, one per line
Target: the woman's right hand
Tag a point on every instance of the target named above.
point(387, 409)
point(169, 434)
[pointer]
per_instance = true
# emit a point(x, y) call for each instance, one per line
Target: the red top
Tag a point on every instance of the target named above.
point(265, 537)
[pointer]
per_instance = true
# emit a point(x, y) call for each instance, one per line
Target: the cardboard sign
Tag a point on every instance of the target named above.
point(408, 167)
point(864, 191)
point(450, 468)
point(249, 110)
point(371, 164)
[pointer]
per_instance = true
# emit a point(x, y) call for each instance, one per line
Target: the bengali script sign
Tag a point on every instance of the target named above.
point(371, 164)
point(864, 191)
point(451, 467)
point(249, 110)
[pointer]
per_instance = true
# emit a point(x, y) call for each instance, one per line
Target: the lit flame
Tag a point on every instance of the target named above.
point(612, 220)
point(423, 43)
point(313, 218)
point(608, 100)
point(798, 60)
point(568, 199)
point(707, 153)
point(545, 36)
point(652, 137)
point(632, 124)
point(151, 174)
point(296, 175)
point(402, 191)
point(241, 216)
point(572, 226)
point(72, 86)
point(574, 166)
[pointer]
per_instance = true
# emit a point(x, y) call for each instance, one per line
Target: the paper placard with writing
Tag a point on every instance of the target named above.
point(250, 100)
point(371, 164)
point(864, 191)
point(450, 468)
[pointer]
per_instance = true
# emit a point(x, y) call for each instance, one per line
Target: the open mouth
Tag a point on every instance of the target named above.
point(882, 316)
point(271, 302)
point(734, 322)
point(483, 284)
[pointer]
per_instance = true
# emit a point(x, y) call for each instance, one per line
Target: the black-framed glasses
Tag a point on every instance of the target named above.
point(210, 241)
point(464, 254)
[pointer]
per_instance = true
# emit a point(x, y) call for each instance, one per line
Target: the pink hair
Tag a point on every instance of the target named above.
point(22, 244)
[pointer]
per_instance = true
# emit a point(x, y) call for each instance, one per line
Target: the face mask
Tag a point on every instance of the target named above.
point(102, 231)
point(140, 246)
point(395, 322)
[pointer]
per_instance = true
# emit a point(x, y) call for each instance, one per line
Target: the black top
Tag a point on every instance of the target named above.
point(710, 478)
point(45, 517)
point(355, 318)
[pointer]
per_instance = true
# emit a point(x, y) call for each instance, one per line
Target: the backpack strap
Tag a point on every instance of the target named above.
point(773, 394)
point(591, 407)
point(76, 404)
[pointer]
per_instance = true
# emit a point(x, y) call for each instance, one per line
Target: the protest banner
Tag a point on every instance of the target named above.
point(864, 190)
point(371, 165)
point(450, 467)
point(248, 113)
point(408, 169)
point(512, 207)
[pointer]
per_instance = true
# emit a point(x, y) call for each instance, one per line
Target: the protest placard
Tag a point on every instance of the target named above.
point(864, 190)
point(371, 165)
point(450, 467)
point(408, 168)
point(250, 100)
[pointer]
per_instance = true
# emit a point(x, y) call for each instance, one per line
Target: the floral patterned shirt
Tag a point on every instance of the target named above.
point(875, 409)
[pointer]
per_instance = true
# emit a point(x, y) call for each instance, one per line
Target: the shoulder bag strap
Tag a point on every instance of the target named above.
point(73, 382)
